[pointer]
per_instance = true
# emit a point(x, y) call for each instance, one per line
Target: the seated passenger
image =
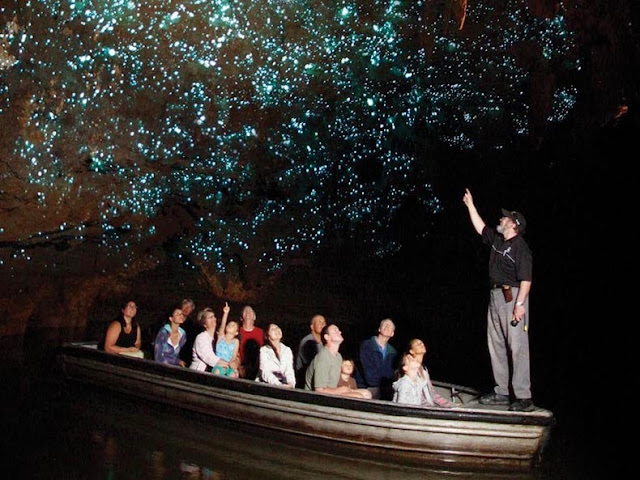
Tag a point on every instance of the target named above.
point(409, 388)
point(377, 358)
point(227, 349)
point(170, 340)
point(308, 348)
point(418, 350)
point(123, 335)
point(323, 373)
point(203, 354)
point(190, 327)
point(346, 374)
point(276, 360)
point(251, 339)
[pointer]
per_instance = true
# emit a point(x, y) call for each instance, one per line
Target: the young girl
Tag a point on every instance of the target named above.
point(227, 348)
point(412, 389)
point(204, 357)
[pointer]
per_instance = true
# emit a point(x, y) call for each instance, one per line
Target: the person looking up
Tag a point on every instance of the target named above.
point(170, 340)
point(418, 349)
point(276, 360)
point(227, 348)
point(204, 356)
point(190, 327)
point(377, 357)
point(324, 370)
point(251, 339)
point(308, 348)
point(510, 278)
point(123, 335)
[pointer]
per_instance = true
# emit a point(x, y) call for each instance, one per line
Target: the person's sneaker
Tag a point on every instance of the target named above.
point(494, 399)
point(522, 405)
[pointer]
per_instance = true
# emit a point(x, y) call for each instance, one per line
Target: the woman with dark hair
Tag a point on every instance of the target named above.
point(123, 335)
point(276, 360)
point(170, 340)
point(414, 383)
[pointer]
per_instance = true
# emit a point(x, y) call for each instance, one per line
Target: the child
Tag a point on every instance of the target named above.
point(227, 349)
point(346, 372)
point(204, 357)
point(414, 389)
point(418, 350)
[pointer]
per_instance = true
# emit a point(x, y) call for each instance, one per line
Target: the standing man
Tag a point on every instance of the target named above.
point(510, 266)
point(377, 357)
point(323, 373)
point(309, 346)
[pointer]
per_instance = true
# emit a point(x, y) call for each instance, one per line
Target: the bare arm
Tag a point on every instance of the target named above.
point(234, 362)
point(333, 390)
point(223, 321)
point(345, 391)
point(138, 343)
point(111, 338)
point(523, 292)
point(475, 217)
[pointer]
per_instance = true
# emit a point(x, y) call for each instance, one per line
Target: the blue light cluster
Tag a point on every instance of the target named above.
point(267, 122)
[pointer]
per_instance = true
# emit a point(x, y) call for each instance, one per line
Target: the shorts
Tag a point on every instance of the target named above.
point(224, 371)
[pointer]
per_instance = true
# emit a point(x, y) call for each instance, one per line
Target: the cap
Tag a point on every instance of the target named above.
point(517, 218)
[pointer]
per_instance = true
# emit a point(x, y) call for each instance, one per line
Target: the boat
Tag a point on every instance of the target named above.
point(469, 436)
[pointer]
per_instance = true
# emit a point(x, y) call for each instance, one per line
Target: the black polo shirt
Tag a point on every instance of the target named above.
point(510, 261)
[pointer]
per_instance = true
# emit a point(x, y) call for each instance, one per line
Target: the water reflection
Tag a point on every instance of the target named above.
point(126, 438)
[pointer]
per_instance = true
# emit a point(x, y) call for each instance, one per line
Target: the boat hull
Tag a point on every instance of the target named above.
point(465, 437)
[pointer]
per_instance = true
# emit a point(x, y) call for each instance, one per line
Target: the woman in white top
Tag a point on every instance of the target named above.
point(276, 360)
point(204, 357)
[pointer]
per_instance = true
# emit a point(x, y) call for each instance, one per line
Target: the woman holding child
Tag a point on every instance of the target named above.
point(204, 357)
point(276, 360)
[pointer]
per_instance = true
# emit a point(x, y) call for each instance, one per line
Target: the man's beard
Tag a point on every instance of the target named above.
point(500, 228)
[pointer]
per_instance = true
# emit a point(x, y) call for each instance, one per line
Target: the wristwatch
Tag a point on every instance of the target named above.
point(520, 304)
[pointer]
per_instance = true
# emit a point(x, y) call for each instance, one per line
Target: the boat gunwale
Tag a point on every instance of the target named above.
point(540, 417)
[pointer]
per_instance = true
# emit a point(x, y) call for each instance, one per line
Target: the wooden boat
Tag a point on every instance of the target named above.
point(467, 436)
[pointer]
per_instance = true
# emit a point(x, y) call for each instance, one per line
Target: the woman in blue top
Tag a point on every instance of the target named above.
point(170, 340)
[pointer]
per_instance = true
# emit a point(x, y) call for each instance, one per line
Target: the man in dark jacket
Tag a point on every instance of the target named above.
point(377, 359)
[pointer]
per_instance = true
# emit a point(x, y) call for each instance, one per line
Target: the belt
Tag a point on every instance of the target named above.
point(500, 286)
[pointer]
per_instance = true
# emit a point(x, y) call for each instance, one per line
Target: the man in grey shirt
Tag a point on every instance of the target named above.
point(323, 373)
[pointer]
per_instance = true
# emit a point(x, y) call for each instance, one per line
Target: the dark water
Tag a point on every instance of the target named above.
point(56, 431)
